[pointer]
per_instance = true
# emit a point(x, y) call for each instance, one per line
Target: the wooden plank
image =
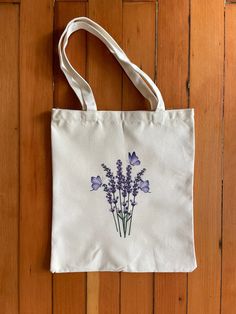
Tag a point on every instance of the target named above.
point(64, 96)
point(69, 293)
point(9, 1)
point(229, 171)
point(88, 0)
point(172, 78)
point(69, 290)
point(173, 52)
point(103, 293)
point(71, 1)
point(206, 94)
point(139, 44)
point(137, 293)
point(36, 98)
point(170, 293)
point(139, 0)
point(105, 78)
point(9, 161)
point(104, 73)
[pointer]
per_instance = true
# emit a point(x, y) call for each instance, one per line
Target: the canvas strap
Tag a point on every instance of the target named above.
point(82, 89)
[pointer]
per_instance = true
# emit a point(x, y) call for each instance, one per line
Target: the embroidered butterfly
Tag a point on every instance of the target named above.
point(144, 186)
point(133, 159)
point(96, 183)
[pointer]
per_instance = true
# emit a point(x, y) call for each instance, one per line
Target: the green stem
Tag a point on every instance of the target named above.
point(117, 215)
point(118, 223)
point(132, 210)
point(131, 220)
point(115, 221)
point(128, 212)
point(123, 222)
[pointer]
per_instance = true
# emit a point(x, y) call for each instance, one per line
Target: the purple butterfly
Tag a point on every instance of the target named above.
point(144, 186)
point(96, 183)
point(133, 159)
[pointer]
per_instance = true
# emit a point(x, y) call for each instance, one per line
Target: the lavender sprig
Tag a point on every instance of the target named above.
point(121, 188)
point(135, 191)
point(128, 189)
point(128, 179)
point(111, 178)
point(137, 181)
point(119, 175)
point(109, 199)
point(108, 194)
point(112, 189)
point(121, 191)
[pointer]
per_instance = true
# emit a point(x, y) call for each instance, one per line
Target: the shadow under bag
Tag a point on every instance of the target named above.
point(122, 180)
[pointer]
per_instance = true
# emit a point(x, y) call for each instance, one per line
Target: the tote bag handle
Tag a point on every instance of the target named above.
point(82, 88)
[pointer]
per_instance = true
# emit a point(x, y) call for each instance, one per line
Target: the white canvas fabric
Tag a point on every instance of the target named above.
point(122, 180)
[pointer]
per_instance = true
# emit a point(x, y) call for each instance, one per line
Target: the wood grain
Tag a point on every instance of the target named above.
point(172, 77)
point(105, 78)
point(229, 171)
point(69, 290)
point(170, 293)
point(104, 72)
point(138, 38)
point(64, 96)
point(9, 1)
point(36, 99)
point(187, 61)
point(9, 161)
point(206, 94)
point(71, 1)
point(139, 1)
point(69, 293)
point(173, 52)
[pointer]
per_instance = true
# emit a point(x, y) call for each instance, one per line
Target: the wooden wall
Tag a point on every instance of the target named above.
point(189, 48)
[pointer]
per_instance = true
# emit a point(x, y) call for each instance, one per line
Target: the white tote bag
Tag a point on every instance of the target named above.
point(122, 180)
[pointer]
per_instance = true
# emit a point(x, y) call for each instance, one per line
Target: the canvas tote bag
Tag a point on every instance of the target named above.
point(122, 180)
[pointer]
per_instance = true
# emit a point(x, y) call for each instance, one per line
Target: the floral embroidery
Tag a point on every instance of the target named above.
point(121, 191)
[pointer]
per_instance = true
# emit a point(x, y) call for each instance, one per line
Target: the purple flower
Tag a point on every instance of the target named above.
point(119, 175)
point(133, 203)
point(108, 193)
point(126, 209)
point(135, 189)
point(124, 203)
point(121, 191)
point(144, 186)
point(111, 178)
point(137, 180)
point(133, 159)
point(115, 200)
point(96, 183)
point(128, 179)
point(124, 191)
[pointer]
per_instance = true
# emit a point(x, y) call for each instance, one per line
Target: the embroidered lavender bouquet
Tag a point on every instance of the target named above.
point(121, 190)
